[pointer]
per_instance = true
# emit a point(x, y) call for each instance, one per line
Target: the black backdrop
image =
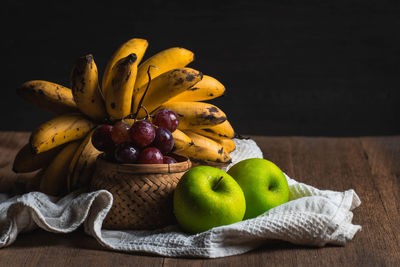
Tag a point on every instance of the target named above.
point(290, 68)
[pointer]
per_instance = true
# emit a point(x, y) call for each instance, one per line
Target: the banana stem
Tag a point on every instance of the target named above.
point(217, 183)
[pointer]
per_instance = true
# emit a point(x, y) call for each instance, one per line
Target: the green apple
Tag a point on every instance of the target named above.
point(207, 197)
point(264, 185)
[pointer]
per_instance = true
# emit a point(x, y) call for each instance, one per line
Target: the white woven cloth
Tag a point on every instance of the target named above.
point(312, 217)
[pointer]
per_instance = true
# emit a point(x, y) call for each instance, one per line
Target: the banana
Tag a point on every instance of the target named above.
point(164, 87)
point(33, 184)
point(217, 132)
point(58, 131)
point(194, 115)
point(129, 121)
point(119, 88)
point(207, 88)
point(26, 161)
point(49, 96)
point(86, 90)
point(54, 179)
point(135, 45)
point(227, 144)
point(205, 150)
point(166, 60)
point(181, 141)
point(83, 164)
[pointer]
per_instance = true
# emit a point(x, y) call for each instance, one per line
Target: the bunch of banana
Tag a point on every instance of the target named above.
point(61, 151)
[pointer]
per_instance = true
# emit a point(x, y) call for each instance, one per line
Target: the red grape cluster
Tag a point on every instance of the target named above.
point(144, 142)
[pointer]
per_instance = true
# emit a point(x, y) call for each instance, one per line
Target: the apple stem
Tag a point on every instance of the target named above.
point(216, 185)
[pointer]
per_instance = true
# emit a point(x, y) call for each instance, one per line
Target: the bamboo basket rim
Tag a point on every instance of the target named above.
point(182, 165)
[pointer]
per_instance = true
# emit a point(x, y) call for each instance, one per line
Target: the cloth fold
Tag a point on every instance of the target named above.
point(312, 217)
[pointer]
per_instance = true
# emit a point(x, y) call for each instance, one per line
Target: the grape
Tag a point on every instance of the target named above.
point(101, 138)
point(142, 133)
point(167, 119)
point(168, 160)
point(126, 153)
point(151, 155)
point(109, 155)
point(120, 133)
point(163, 140)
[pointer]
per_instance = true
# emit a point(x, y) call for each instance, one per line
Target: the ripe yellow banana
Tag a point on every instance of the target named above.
point(166, 60)
point(86, 90)
point(135, 45)
point(207, 88)
point(164, 87)
point(26, 161)
point(58, 131)
point(54, 179)
point(220, 131)
point(194, 115)
point(49, 96)
point(119, 88)
point(227, 144)
point(205, 150)
point(129, 121)
point(181, 141)
point(83, 164)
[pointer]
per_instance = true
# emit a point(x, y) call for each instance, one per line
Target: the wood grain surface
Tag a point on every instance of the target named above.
point(369, 165)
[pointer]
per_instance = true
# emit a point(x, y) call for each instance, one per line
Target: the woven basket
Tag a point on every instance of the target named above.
point(142, 192)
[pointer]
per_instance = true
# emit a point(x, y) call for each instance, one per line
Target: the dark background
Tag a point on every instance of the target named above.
point(290, 67)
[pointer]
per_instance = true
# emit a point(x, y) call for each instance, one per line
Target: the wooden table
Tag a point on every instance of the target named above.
point(369, 165)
